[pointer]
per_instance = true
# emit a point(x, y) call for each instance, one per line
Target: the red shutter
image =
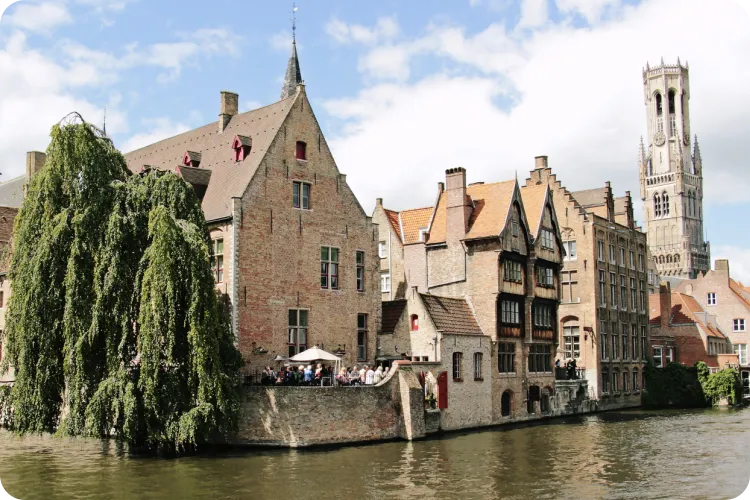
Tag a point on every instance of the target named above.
point(442, 381)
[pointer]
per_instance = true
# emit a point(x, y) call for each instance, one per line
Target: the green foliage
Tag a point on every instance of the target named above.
point(673, 385)
point(114, 326)
point(724, 384)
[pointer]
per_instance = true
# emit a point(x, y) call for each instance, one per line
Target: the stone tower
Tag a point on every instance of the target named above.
point(672, 175)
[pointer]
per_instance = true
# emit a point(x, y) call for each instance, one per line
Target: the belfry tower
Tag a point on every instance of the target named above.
point(671, 175)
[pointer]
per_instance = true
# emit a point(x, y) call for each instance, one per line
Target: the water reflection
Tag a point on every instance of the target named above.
point(637, 454)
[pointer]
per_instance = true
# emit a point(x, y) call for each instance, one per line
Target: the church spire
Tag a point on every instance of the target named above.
point(696, 149)
point(293, 75)
point(641, 154)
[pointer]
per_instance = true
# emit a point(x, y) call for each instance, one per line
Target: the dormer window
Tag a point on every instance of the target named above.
point(301, 151)
point(191, 159)
point(241, 146)
point(414, 320)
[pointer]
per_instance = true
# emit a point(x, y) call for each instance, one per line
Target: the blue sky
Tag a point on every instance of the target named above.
point(403, 90)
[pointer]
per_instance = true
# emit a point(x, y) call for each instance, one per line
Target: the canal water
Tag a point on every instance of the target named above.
point(629, 454)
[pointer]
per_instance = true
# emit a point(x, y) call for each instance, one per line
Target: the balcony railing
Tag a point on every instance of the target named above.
point(562, 373)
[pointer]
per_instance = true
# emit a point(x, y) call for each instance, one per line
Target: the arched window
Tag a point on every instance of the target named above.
point(657, 205)
point(658, 104)
point(665, 204)
point(506, 403)
point(677, 257)
point(672, 118)
point(670, 97)
point(669, 259)
point(414, 322)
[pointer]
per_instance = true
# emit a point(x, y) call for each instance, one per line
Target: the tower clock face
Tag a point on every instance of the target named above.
point(659, 138)
point(686, 139)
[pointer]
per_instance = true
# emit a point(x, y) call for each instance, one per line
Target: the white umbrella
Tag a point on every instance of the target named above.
point(315, 354)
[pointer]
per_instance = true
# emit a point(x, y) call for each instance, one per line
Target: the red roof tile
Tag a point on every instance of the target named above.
point(452, 316)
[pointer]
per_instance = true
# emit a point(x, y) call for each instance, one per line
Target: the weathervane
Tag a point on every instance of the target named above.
point(294, 21)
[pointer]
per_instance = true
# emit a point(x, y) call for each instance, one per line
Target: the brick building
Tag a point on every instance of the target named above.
point(7, 216)
point(604, 288)
point(292, 249)
point(490, 253)
point(729, 301)
point(682, 332)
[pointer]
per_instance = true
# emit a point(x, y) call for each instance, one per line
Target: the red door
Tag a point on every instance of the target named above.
point(442, 382)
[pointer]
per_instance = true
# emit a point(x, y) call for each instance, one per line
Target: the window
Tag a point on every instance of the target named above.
point(301, 195)
point(543, 316)
point(658, 105)
point(241, 146)
point(657, 353)
point(605, 382)
point(509, 312)
point(669, 355)
point(633, 296)
point(570, 286)
point(672, 125)
point(622, 257)
point(329, 268)
point(615, 382)
point(657, 205)
point(506, 357)
point(545, 277)
point(632, 259)
point(570, 250)
point(644, 353)
point(665, 203)
point(635, 380)
point(477, 366)
point(711, 299)
point(381, 249)
point(513, 271)
point(602, 288)
point(634, 342)
point(615, 341)
point(457, 358)
point(422, 233)
point(604, 340)
point(385, 283)
point(361, 337)
point(640, 262)
point(297, 331)
point(613, 288)
point(612, 255)
point(625, 350)
point(540, 358)
point(2, 296)
point(738, 325)
point(643, 296)
point(548, 239)
point(623, 292)
point(600, 250)
point(301, 151)
point(571, 341)
point(217, 260)
point(360, 271)
point(514, 227)
point(414, 322)
point(741, 351)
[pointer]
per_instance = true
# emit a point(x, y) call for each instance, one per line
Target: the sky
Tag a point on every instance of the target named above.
point(402, 90)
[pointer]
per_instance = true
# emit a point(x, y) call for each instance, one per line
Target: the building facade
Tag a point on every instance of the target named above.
point(7, 216)
point(604, 288)
point(729, 301)
point(671, 176)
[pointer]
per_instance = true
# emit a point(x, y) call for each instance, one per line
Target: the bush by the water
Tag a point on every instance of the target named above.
point(689, 386)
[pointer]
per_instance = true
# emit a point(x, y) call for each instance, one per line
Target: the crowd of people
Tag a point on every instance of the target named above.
point(322, 375)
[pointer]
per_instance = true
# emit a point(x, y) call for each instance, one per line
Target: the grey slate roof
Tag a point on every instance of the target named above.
point(452, 316)
point(392, 311)
point(293, 75)
point(11, 192)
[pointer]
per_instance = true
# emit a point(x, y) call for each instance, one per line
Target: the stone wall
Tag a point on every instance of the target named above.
point(307, 416)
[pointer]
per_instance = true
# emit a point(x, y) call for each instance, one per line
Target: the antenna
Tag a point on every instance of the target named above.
point(294, 21)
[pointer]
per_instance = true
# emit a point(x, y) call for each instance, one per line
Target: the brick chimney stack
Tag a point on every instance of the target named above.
point(665, 303)
point(34, 162)
point(458, 205)
point(229, 108)
point(540, 162)
point(721, 267)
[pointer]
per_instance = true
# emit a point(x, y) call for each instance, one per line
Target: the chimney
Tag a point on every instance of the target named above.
point(721, 267)
point(665, 303)
point(229, 108)
point(379, 202)
point(34, 163)
point(540, 162)
point(458, 205)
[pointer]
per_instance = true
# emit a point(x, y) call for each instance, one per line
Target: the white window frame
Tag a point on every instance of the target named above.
point(571, 252)
point(600, 250)
point(738, 325)
point(658, 358)
point(382, 249)
point(711, 298)
point(385, 283)
point(741, 351)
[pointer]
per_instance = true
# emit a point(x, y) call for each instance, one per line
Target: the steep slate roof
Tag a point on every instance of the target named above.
point(393, 219)
point(452, 316)
point(392, 311)
point(228, 179)
point(533, 204)
point(11, 192)
point(412, 221)
point(683, 312)
point(491, 207)
point(293, 75)
point(591, 197)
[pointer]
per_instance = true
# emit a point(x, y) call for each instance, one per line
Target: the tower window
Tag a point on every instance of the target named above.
point(671, 102)
point(658, 105)
point(665, 204)
point(657, 205)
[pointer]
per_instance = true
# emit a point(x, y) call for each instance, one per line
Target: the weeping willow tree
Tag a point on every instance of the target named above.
point(114, 326)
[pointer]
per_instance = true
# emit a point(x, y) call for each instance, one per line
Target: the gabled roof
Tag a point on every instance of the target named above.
point(533, 198)
point(412, 221)
point(741, 291)
point(491, 206)
point(392, 216)
point(11, 192)
point(392, 311)
point(685, 310)
point(452, 316)
point(228, 178)
point(591, 197)
point(194, 175)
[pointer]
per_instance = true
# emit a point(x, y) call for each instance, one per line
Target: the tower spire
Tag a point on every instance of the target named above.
point(293, 75)
point(641, 153)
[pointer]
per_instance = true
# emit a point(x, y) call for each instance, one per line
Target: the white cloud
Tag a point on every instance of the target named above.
point(386, 28)
point(250, 105)
point(157, 129)
point(39, 18)
point(493, 5)
point(106, 5)
point(281, 40)
point(739, 261)
point(533, 13)
point(591, 10)
point(572, 93)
